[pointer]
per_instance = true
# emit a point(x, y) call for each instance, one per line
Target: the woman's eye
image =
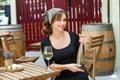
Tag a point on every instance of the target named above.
point(62, 20)
point(65, 20)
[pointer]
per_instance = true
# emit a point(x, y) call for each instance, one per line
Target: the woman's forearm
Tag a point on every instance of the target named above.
point(72, 67)
point(58, 66)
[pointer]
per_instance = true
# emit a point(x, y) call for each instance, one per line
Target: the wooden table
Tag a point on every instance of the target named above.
point(31, 71)
point(35, 45)
point(26, 59)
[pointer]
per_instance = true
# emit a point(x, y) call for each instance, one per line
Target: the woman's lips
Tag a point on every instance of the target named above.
point(62, 27)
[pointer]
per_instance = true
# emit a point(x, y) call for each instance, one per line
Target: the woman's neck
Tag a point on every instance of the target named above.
point(60, 40)
point(58, 35)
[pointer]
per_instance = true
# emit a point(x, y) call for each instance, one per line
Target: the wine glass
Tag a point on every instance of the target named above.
point(48, 53)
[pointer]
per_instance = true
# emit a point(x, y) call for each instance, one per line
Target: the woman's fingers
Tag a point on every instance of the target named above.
point(80, 35)
point(74, 68)
point(82, 39)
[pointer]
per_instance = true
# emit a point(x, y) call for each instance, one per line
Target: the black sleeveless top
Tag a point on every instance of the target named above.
point(65, 56)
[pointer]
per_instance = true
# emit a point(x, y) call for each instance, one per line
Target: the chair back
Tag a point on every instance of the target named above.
point(92, 54)
point(10, 45)
point(96, 42)
point(9, 41)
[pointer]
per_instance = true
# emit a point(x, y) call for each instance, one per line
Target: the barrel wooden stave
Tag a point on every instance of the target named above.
point(106, 61)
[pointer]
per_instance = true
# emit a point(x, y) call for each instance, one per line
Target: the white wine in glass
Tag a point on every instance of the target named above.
point(48, 53)
point(48, 56)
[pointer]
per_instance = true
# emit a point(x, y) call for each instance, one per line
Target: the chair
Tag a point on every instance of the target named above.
point(18, 57)
point(91, 54)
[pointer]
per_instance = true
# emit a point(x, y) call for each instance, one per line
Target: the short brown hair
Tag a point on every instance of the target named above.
point(47, 29)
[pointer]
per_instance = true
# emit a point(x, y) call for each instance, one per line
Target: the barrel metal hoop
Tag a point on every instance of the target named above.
point(16, 37)
point(106, 41)
point(97, 27)
point(10, 26)
point(104, 72)
point(19, 30)
point(19, 37)
point(104, 59)
point(109, 41)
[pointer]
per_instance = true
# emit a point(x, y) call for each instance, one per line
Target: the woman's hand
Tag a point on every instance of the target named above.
point(82, 39)
point(74, 67)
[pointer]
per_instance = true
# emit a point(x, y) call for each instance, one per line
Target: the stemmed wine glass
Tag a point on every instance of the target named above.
point(48, 53)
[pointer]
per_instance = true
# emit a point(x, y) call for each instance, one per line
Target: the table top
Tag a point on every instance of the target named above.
point(35, 45)
point(30, 71)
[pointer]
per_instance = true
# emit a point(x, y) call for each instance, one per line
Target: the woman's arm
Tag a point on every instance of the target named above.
point(81, 48)
point(72, 67)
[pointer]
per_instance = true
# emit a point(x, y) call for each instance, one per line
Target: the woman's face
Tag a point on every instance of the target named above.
point(59, 25)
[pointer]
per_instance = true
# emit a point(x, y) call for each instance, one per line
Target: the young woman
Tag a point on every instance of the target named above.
point(64, 44)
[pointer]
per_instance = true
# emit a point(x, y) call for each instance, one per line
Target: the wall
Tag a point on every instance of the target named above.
point(115, 20)
point(13, 12)
point(104, 11)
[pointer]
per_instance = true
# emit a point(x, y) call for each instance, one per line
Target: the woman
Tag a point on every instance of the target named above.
point(64, 44)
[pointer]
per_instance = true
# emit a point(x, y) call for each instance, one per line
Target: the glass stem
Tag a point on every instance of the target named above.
point(48, 63)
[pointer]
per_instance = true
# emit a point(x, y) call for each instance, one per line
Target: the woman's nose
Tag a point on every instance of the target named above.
point(62, 22)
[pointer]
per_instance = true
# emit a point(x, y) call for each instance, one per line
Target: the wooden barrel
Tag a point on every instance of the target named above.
point(106, 61)
point(17, 31)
